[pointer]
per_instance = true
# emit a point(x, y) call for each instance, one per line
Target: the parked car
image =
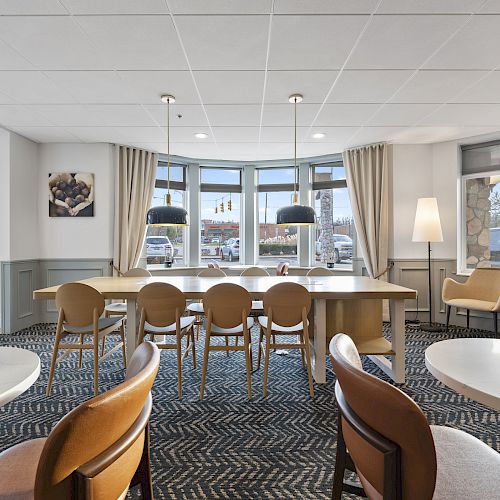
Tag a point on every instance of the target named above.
point(158, 246)
point(495, 244)
point(342, 248)
point(230, 249)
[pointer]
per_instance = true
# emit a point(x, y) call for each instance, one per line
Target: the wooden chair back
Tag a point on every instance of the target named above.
point(211, 272)
point(386, 433)
point(227, 305)
point(94, 451)
point(213, 265)
point(282, 268)
point(137, 272)
point(160, 304)
point(254, 271)
point(319, 271)
point(80, 304)
point(288, 302)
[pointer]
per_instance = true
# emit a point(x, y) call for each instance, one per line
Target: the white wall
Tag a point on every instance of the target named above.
point(5, 198)
point(85, 237)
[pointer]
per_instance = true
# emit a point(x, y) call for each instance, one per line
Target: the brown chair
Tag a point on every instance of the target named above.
point(319, 271)
point(282, 269)
point(228, 306)
point(96, 451)
point(394, 451)
point(257, 305)
point(481, 292)
point(80, 307)
point(196, 308)
point(286, 306)
point(161, 307)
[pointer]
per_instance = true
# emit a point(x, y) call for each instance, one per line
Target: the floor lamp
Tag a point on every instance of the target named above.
point(427, 228)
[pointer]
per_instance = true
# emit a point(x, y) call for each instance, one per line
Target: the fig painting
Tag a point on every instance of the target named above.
point(71, 195)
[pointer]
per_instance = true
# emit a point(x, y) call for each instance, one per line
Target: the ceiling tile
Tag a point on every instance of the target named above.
point(31, 7)
point(220, 6)
point(95, 115)
point(136, 42)
point(51, 42)
point(486, 90)
point(45, 134)
point(396, 115)
point(116, 6)
point(368, 86)
point(367, 135)
point(326, 46)
point(475, 115)
point(186, 134)
point(236, 134)
point(326, 148)
point(304, 134)
point(230, 87)
point(97, 134)
point(207, 40)
point(437, 86)
point(12, 60)
point(33, 87)
point(324, 6)
point(402, 42)
point(143, 134)
point(474, 47)
point(21, 116)
point(429, 6)
point(281, 115)
point(4, 99)
point(491, 7)
point(313, 85)
point(234, 115)
point(344, 115)
point(191, 115)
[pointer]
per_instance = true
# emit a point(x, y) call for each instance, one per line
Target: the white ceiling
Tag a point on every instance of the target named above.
point(370, 70)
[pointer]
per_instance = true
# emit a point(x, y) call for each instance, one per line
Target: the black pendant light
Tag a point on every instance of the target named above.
point(295, 214)
point(167, 215)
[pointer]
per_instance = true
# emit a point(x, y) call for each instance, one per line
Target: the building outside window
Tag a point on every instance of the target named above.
point(220, 197)
point(276, 243)
point(480, 206)
point(165, 242)
point(333, 241)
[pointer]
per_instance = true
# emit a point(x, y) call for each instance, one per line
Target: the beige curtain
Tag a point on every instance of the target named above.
point(367, 181)
point(135, 176)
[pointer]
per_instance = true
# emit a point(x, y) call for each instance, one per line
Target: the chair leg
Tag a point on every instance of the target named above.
point(179, 366)
point(448, 310)
point(198, 321)
point(248, 363)
point(259, 351)
point(193, 348)
point(205, 366)
point(301, 341)
point(266, 363)
point(53, 362)
point(227, 345)
point(96, 365)
point(142, 476)
point(309, 367)
point(124, 347)
point(80, 355)
point(340, 464)
point(103, 345)
point(468, 318)
point(495, 326)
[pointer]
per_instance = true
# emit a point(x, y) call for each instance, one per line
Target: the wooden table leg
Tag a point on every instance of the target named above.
point(131, 327)
point(318, 343)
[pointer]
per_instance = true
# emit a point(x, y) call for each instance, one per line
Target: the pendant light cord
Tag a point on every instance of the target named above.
point(295, 155)
point(168, 152)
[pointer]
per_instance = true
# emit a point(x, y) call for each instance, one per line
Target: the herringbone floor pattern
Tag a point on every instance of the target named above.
point(228, 447)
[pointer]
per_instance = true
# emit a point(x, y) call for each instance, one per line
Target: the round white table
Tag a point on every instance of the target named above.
point(19, 370)
point(469, 366)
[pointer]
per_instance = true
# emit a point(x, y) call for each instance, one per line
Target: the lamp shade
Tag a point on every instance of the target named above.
point(295, 215)
point(427, 223)
point(166, 216)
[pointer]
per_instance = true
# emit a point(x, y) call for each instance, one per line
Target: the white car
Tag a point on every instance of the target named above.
point(342, 250)
point(158, 246)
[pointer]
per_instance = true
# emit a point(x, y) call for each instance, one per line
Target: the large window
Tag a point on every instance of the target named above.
point(220, 215)
point(165, 241)
point(480, 206)
point(276, 243)
point(333, 235)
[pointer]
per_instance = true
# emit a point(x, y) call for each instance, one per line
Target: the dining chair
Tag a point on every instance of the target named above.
point(319, 271)
point(257, 305)
point(227, 307)
point(98, 450)
point(384, 436)
point(196, 308)
point(286, 306)
point(161, 307)
point(282, 269)
point(80, 307)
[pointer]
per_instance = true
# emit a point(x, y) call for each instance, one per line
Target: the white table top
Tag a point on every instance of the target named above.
point(469, 366)
point(19, 370)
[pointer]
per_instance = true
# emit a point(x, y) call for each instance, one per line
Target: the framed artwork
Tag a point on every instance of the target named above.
point(71, 195)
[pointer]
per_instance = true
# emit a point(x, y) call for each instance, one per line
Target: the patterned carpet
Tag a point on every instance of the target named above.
point(225, 446)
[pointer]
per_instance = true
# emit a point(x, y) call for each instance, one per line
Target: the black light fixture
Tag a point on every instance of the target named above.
point(167, 215)
point(295, 214)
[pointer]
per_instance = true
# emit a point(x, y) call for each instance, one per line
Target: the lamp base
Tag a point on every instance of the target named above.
point(429, 327)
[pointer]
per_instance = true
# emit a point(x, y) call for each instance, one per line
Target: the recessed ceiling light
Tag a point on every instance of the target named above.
point(318, 135)
point(201, 135)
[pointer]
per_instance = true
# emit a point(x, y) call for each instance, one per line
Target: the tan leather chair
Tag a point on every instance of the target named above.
point(282, 269)
point(161, 308)
point(394, 451)
point(196, 308)
point(228, 306)
point(80, 307)
point(286, 306)
point(96, 451)
point(257, 305)
point(319, 271)
point(481, 292)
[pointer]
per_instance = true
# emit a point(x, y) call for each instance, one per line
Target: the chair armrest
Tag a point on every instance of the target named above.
point(497, 306)
point(453, 289)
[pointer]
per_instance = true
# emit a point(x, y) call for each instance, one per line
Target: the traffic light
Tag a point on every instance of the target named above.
point(222, 207)
point(216, 207)
point(230, 205)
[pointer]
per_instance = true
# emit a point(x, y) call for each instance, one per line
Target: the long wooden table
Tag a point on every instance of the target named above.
point(350, 292)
